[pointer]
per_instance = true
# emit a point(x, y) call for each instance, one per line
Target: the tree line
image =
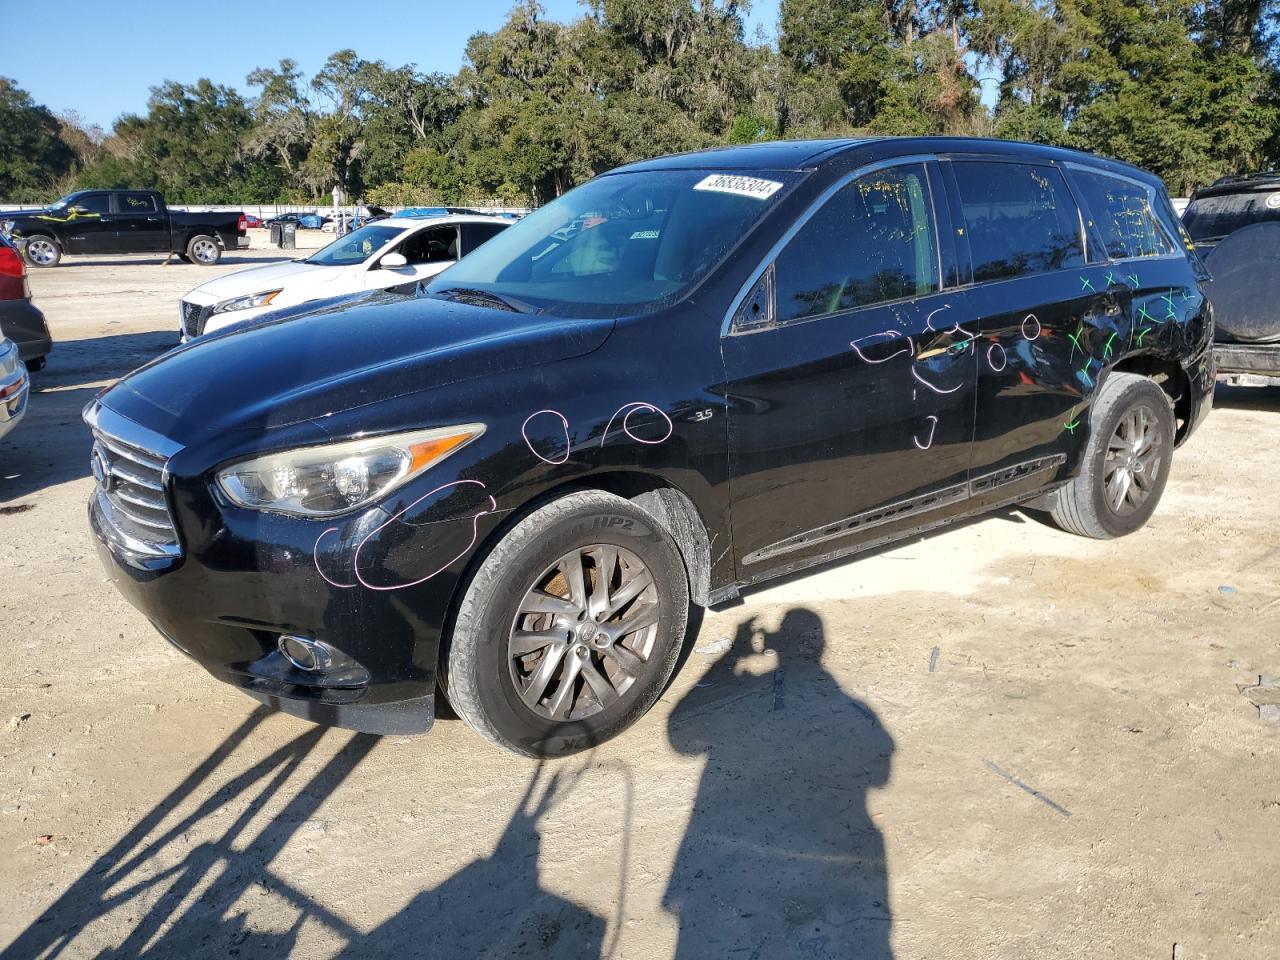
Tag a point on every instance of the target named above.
point(1187, 88)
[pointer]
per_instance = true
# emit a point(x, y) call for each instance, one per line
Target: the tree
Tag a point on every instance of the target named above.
point(33, 154)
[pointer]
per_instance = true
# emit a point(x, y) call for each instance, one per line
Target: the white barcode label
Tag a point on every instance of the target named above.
point(742, 186)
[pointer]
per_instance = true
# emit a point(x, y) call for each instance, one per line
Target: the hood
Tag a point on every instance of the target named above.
point(305, 368)
point(258, 279)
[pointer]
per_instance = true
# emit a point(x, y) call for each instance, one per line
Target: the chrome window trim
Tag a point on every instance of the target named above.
point(727, 326)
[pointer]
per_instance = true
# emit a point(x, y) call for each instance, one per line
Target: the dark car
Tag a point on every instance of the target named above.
point(20, 319)
point(121, 221)
point(1235, 226)
point(683, 378)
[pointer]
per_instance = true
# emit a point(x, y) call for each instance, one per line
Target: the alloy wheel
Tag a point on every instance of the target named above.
point(206, 251)
point(42, 252)
point(584, 632)
point(1135, 456)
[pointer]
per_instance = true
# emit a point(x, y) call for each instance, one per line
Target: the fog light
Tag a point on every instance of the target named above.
point(305, 653)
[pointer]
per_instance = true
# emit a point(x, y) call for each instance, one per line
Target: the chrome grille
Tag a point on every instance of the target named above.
point(193, 318)
point(130, 492)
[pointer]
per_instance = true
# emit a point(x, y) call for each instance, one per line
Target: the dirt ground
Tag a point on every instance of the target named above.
point(998, 741)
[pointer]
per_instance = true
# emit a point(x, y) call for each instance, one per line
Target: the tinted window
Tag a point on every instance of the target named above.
point(137, 203)
point(1208, 218)
point(623, 243)
point(474, 234)
point(1121, 212)
point(1020, 218)
point(439, 245)
point(94, 203)
point(873, 241)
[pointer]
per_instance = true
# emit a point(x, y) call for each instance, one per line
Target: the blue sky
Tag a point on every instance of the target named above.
point(100, 57)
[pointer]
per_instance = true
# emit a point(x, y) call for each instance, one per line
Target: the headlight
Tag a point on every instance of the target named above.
point(246, 303)
point(334, 478)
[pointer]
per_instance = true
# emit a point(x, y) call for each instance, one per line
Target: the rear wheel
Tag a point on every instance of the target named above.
point(204, 250)
point(570, 628)
point(1126, 464)
point(43, 252)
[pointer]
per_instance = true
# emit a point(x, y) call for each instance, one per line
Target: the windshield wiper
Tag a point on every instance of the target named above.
point(486, 298)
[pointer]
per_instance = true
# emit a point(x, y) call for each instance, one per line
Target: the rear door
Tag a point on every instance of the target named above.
point(850, 375)
point(1050, 320)
point(141, 226)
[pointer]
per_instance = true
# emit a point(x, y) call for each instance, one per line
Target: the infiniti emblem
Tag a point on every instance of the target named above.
point(101, 470)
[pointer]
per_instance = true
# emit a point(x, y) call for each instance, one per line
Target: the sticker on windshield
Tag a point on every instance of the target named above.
point(1273, 201)
point(742, 186)
point(645, 235)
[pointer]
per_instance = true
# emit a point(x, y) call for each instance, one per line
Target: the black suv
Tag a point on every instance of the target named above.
point(684, 377)
point(1235, 226)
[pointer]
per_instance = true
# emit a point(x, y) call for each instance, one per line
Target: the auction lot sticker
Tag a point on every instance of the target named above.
point(742, 186)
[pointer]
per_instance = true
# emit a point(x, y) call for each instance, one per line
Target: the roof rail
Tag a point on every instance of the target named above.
point(1242, 177)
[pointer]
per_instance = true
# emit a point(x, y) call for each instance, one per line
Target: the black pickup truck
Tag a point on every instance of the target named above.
point(121, 221)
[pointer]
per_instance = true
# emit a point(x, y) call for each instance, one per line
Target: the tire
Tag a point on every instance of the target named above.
point(204, 250)
point(42, 251)
point(535, 697)
point(1131, 414)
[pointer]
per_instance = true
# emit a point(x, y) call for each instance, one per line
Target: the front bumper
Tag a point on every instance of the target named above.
point(23, 323)
point(240, 581)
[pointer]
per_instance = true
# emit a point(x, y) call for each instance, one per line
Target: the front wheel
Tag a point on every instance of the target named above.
point(570, 628)
point(204, 250)
point(1126, 463)
point(43, 252)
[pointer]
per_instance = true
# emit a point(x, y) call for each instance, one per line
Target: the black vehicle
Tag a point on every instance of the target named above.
point(121, 221)
point(682, 378)
point(20, 319)
point(1235, 225)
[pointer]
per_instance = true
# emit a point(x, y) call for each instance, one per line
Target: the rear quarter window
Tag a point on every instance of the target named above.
point(1120, 211)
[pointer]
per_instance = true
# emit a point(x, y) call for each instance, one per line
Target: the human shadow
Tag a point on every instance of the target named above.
point(181, 901)
point(494, 907)
point(780, 857)
point(52, 444)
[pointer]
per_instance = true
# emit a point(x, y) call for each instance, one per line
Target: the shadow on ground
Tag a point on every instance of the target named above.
point(801, 875)
point(228, 260)
point(51, 445)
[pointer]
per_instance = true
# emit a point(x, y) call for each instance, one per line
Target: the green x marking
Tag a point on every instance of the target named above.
point(1145, 331)
point(1071, 427)
point(1086, 283)
point(1142, 312)
point(1106, 350)
point(1075, 341)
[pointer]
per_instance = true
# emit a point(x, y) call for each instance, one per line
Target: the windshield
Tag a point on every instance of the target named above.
point(63, 201)
point(356, 247)
point(1209, 218)
point(627, 243)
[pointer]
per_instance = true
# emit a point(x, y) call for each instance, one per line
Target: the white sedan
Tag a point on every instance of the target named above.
point(380, 255)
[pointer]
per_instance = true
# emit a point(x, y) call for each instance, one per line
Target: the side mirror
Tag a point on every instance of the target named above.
point(393, 260)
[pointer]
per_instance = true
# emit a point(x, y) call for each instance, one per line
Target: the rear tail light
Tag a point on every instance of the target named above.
point(11, 264)
point(243, 224)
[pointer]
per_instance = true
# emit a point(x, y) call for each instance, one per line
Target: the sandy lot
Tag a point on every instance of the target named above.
point(999, 741)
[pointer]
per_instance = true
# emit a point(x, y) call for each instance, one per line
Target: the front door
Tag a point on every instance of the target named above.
point(88, 225)
point(140, 226)
point(850, 377)
point(428, 252)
